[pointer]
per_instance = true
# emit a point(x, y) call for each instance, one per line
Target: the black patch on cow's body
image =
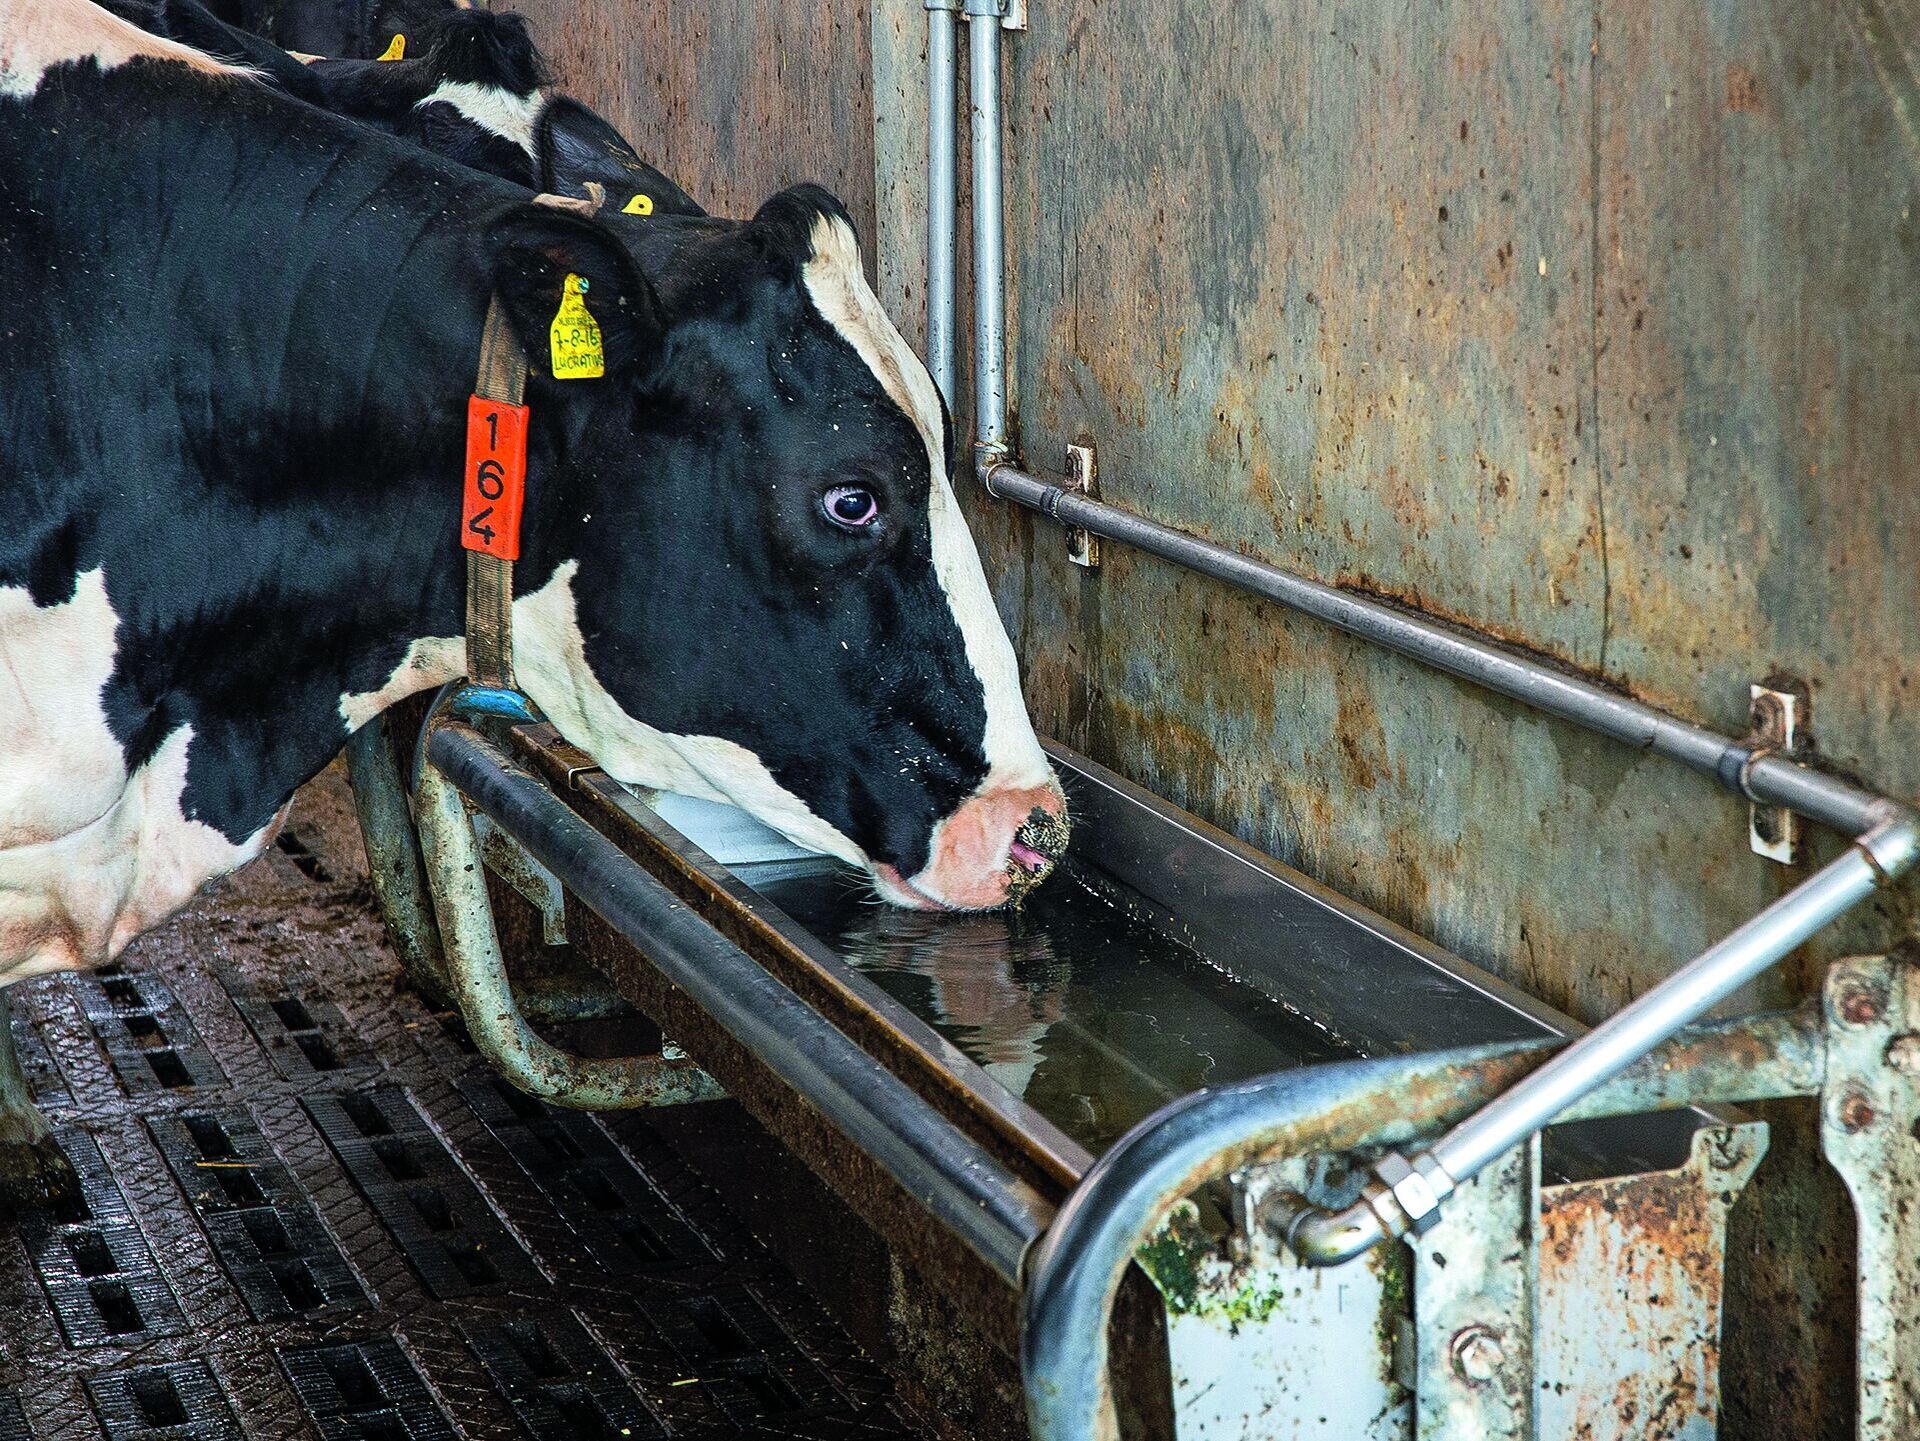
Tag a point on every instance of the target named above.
point(243, 399)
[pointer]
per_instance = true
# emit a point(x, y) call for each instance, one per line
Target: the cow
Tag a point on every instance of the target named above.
point(233, 404)
point(476, 93)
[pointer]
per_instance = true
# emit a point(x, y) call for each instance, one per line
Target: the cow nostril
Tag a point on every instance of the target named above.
point(1040, 842)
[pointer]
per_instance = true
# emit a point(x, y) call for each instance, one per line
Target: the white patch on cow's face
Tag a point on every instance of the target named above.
point(550, 663)
point(429, 662)
point(89, 855)
point(492, 108)
point(37, 35)
point(840, 292)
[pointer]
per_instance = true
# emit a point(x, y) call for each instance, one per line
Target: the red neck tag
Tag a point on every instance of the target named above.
point(496, 482)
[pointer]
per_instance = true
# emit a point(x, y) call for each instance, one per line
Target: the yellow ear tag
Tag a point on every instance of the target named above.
point(577, 352)
point(639, 205)
point(396, 49)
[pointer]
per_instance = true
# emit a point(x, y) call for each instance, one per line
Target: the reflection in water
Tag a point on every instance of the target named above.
point(1083, 1009)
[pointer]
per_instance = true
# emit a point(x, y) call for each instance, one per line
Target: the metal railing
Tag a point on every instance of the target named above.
point(967, 1190)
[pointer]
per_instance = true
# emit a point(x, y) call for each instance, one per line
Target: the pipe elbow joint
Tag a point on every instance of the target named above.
point(1892, 844)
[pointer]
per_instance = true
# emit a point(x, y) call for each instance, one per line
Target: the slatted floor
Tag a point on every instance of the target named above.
point(310, 1210)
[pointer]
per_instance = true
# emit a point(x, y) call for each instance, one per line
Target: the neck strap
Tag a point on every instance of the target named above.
point(495, 493)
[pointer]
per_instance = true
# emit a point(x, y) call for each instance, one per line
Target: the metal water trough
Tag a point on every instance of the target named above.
point(1482, 1327)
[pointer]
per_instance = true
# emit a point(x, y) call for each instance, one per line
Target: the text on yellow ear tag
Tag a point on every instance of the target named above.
point(396, 49)
point(639, 205)
point(577, 351)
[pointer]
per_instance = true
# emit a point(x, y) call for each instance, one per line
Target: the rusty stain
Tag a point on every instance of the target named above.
point(1744, 93)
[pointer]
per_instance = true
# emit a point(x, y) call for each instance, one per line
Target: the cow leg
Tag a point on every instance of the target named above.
point(34, 1173)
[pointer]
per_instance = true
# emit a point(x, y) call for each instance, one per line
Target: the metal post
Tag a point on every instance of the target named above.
point(393, 857)
point(943, 138)
point(989, 239)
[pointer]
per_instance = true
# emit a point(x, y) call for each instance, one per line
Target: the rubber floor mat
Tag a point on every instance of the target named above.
point(310, 1210)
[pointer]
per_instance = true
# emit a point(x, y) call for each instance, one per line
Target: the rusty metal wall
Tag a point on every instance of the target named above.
point(1591, 326)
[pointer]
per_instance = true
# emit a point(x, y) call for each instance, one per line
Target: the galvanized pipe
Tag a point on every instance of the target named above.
point(943, 139)
point(1763, 777)
point(958, 1181)
point(1413, 1189)
point(484, 992)
point(989, 238)
point(1075, 1272)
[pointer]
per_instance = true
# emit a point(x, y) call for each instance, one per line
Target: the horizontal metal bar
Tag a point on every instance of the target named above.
point(964, 1187)
point(1076, 1270)
point(1737, 766)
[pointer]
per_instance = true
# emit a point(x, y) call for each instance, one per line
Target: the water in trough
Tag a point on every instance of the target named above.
point(1090, 1014)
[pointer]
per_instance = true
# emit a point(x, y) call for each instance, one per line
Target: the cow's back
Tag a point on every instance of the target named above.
point(211, 299)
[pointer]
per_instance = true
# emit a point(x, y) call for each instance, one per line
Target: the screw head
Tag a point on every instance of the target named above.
point(1856, 1113)
point(1858, 1006)
point(1476, 1354)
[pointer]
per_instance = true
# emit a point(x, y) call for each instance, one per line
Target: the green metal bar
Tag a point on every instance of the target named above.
point(393, 857)
point(484, 993)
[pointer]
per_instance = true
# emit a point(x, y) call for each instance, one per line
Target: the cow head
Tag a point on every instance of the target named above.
point(751, 580)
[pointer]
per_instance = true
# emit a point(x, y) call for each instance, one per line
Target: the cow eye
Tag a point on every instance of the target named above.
point(851, 507)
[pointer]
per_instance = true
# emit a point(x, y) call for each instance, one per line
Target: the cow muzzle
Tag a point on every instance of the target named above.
point(989, 853)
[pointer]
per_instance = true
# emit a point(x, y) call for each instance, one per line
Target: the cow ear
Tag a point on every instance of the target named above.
point(785, 225)
point(533, 249)
point(573, 146)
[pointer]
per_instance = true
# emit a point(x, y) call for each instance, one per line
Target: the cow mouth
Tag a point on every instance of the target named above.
point(1032, 856)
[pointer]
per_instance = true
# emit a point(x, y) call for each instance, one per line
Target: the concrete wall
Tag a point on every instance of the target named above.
point(1591, 326)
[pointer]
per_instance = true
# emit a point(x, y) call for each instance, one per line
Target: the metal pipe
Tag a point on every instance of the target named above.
point(569, 998)
point(943, 139)
point(1682, 998)
point(1076, 1271)
point(989, 239)
point(958, 1181)
point(484, 992)
point(1736, 765)
point(393, 857)
point(1410, 1192)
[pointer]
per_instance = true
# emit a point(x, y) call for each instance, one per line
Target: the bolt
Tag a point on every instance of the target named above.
point(1476, 1353)
point(1856, 1113)
point(1903, 1054)
point(1858, 1006)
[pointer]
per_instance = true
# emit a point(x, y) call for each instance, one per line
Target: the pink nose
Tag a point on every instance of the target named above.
point(995, 848)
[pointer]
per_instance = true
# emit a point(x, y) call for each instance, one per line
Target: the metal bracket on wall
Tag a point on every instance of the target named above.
point(1778, 713)
point(1083, 476)
point(1012, 14)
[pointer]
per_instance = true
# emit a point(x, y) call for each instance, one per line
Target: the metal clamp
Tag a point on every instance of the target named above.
point(1083, 477)
point(1012, 14)
point(1779, 718)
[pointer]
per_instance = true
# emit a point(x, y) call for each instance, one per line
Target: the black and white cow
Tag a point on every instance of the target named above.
point(232, 410)
point(477, 93)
